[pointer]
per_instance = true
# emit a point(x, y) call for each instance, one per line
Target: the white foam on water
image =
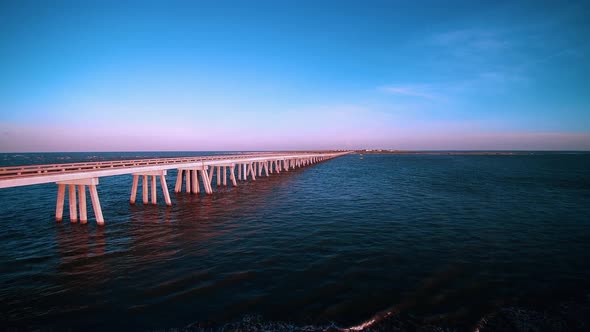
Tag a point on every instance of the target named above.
point(375, 319)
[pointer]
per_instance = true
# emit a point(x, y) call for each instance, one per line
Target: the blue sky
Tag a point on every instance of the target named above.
point(249, 75)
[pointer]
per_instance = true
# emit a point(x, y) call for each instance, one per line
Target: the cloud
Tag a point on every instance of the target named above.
point(452, 90)
point(471, 50)
point(409, 91)
point(473, 39)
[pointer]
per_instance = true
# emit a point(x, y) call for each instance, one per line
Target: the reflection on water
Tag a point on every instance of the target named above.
point(387, 242)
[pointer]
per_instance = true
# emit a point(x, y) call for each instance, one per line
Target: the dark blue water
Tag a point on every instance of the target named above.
point(441, 239)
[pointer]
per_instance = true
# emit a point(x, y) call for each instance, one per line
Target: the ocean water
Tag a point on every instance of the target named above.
point(425, 240)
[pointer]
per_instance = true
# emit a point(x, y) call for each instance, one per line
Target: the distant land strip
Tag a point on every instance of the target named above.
point(483, 152)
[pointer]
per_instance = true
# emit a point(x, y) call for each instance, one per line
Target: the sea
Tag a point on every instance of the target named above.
point(374, 242)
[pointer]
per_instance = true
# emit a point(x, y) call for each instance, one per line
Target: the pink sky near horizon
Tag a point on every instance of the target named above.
point(62, 139)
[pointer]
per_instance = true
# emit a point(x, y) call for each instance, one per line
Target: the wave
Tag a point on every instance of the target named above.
point(567, 316)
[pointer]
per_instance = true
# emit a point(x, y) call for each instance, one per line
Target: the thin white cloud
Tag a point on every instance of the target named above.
point(471, 41)
point(409, 91)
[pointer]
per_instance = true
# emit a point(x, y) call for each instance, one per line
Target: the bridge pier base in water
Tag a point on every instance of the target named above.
point(81, 184)
point(191, 176)
point(222, 170)
point(146, 187)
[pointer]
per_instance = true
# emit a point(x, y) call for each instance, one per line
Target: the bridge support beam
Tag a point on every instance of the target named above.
point(188, 181)
point(83, 213)
point(192, 182)
point(225, 175)
point(218, 176)
point(206, 180)
point(145, 187)
point(232, 174)
point(211, 172)
point(81, 185)
point(252, 171)
point(196, 187)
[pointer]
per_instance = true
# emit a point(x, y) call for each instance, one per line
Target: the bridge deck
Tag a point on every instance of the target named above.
point(13, 176)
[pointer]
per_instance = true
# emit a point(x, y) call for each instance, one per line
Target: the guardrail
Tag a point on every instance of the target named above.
point(10, 172)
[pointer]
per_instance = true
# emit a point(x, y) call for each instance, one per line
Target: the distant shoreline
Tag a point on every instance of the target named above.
point(484, 153)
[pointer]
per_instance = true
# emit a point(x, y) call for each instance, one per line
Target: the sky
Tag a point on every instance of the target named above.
point(294, 75)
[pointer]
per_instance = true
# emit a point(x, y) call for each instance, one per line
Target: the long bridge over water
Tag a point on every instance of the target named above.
point(72, 176)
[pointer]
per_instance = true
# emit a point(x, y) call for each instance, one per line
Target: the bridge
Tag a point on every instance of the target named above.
point(72, 176)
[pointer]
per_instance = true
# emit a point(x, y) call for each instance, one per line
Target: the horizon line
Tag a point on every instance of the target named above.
point(310, 150)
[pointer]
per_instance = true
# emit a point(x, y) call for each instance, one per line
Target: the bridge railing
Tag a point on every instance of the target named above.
point(47, 169)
